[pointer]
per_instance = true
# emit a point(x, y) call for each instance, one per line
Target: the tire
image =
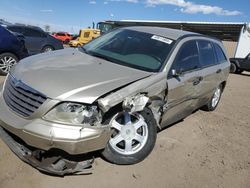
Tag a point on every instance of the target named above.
point(7, 60)
point(47, 49)
point(238, 71)
point(215, 99)
point(140, 134)
point(233, 68)
point(66, 41)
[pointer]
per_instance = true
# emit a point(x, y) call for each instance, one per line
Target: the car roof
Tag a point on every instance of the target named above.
point(161, 31)
point(25, 26)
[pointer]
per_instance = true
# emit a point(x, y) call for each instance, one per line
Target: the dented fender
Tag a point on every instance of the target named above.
point(150, 87)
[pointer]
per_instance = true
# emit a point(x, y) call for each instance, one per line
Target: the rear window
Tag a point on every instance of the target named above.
point(220, 54)
point(206, 53)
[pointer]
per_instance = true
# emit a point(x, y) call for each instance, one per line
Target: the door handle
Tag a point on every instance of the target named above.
point(197, 80)
point(218, 71)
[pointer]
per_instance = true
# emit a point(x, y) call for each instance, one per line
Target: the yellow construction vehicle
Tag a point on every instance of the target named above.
point(85, 36)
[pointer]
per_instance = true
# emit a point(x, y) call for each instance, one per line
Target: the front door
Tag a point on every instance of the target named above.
point(183, 87)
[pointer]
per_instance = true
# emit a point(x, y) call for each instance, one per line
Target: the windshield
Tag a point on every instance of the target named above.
point(131, 48)
point(105, 27)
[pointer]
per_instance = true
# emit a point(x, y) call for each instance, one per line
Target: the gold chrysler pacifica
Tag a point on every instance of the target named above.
point(111, 95)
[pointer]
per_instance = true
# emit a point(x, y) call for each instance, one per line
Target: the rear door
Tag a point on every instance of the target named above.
point(211, 59)
point(183, 89)
point(34, 40)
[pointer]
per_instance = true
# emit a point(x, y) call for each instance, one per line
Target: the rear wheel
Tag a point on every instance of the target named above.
point(7, 60)
point(214, 101)
point(133, 138)
point(47, 49)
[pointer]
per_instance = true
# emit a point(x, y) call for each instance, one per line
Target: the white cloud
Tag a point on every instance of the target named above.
point(105, 2)
point(46, 10)
point(193, 8)
point(92, 2)
point(129, 1)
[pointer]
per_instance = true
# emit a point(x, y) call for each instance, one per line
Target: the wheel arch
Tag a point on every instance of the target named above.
point(11, 52)
point(223, 84)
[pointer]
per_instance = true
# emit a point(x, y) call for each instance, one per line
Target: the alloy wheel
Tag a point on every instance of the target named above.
point(216, 97)
point(6, 63)
point(130, 133)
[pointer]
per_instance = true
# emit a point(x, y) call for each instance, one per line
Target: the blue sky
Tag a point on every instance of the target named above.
point(71, 15)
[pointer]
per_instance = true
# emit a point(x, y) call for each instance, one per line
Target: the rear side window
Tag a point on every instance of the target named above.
point(187, 58)
point(207, 56)
point(32, 33)
point(219, 53)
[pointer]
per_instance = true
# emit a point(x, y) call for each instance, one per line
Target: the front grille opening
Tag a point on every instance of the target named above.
point(21, 98)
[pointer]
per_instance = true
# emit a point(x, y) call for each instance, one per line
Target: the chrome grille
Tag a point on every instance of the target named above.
point(21, 98)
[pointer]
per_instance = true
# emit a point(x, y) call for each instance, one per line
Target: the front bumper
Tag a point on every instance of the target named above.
point(55, 163)
point(46, 135)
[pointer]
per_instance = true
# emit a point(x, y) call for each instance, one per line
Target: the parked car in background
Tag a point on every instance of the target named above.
point(12, 49)
point(63, 36)
point(112, 94)
point(85, 36)
point(36, 40)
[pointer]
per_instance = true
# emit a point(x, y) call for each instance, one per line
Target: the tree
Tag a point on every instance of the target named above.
point(47, 28)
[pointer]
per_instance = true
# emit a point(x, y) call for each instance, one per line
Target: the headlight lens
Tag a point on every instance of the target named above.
point(74, 113)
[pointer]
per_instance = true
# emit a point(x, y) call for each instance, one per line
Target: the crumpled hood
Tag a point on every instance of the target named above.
point(71, 75)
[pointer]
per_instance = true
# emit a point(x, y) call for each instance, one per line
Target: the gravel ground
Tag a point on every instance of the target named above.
point(204, 150)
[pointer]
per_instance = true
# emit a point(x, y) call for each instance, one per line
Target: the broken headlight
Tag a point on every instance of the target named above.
point(74, 113)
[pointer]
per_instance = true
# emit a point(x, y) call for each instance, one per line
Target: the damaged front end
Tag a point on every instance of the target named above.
point(150, 92)
point(52, 162)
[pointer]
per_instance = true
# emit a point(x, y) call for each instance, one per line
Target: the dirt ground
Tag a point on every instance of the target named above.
point(205, 150)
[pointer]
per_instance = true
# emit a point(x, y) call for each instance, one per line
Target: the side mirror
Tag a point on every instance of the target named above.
point(176, 73)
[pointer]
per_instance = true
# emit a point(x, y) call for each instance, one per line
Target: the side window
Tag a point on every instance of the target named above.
point(86, 34)
point(15, 29)
point(32, 33)
point(187, 58)
point(219, 53)
point(61, 34)
point(207, 56)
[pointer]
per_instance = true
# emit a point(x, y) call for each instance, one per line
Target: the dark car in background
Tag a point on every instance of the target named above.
point(12, 49)
point(37, 40)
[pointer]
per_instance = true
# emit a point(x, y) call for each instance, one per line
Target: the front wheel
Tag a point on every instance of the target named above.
point(133, 138)
point(7, 60)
